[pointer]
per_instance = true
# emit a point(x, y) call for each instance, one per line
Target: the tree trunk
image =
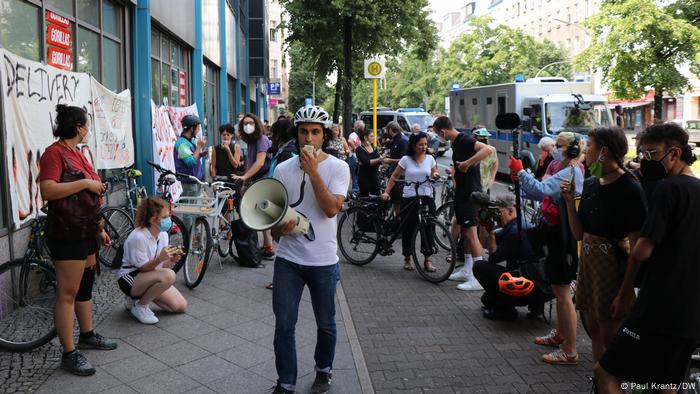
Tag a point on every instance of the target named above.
point(347, 75)
point(338, 91)
point(658, 105)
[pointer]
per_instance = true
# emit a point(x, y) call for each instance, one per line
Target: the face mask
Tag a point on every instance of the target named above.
point(596, 169)
point(166, 224)
point(226, 142)
point(248, 129)
point(557, 155)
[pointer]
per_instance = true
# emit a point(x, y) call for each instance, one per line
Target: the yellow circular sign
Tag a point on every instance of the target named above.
point(374, 68)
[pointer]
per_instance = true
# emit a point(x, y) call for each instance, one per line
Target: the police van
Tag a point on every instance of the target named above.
point(547, 106)
point(406, 117)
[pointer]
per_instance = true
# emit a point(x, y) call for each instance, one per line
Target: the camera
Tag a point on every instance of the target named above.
point(488, 213)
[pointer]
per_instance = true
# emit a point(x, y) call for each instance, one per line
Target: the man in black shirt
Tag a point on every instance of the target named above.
point(466, 155)
point(655, 343)
point(398, 146)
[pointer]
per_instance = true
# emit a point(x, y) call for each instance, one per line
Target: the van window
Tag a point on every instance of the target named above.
point(382, 120)
point(403, 123)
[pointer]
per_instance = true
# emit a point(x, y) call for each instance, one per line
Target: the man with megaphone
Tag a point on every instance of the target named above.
point(307, 252)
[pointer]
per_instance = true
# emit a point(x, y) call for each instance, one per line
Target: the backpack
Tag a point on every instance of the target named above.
point(286, 151)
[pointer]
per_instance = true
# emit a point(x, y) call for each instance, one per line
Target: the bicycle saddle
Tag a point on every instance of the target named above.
point(133, 173)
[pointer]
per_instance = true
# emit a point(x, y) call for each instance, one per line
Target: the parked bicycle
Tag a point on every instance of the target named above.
point(368, 228)
point(213, 217)
point(27, 295)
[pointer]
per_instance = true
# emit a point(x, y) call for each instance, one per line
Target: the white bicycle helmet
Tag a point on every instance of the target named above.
point(312, 114)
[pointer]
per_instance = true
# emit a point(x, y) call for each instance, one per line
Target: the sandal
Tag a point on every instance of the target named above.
point(269, 287)
point(560, 357)
point(429, 267)
point(551, 339)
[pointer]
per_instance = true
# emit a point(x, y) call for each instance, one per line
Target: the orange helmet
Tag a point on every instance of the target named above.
point(514, 286)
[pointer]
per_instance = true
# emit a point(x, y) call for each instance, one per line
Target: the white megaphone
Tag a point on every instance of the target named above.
point(266, 204)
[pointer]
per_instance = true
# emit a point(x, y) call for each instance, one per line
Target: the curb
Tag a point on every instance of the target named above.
point(357, 355)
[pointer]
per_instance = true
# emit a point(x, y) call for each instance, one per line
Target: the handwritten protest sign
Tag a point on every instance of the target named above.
point(114, 142)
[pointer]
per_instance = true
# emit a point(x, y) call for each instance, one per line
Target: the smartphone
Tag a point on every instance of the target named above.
point(309, 148)
point(572, 184)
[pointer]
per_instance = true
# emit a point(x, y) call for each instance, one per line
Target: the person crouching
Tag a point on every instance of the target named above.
point(146, 276)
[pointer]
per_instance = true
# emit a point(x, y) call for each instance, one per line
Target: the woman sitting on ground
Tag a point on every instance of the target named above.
point(146, 275)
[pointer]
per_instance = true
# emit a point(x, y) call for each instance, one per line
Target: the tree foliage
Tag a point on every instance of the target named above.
point(639, 45)
point(301, 78)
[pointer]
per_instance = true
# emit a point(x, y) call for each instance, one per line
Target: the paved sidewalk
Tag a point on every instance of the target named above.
point(418, 337)
point(223, 344)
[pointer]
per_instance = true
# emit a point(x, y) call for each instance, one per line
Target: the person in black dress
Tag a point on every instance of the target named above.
point(369, 161)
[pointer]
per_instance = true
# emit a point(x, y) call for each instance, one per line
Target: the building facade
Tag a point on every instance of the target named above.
point(172, 52)
point(278, 87)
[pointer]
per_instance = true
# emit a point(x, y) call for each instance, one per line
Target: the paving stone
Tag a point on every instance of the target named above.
point(217, 341)
point(154, 339)
point(69, 383)
point(179, 353)
point(166, 382)
point(241, 382)
point(134, 367)
point(208, 369)
point(246, 355)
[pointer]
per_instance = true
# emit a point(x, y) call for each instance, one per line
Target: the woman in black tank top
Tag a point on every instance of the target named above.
point(226, 157)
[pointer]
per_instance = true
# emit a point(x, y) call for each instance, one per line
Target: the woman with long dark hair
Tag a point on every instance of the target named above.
point(73, 256)
point(608, 222)
point(369, 159)
point(417, 165)
point(257, 163)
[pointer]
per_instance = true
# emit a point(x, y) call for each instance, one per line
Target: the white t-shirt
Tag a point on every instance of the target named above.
point(414, 172)
point(324, 249)
point(354, 140)
point(141, 247)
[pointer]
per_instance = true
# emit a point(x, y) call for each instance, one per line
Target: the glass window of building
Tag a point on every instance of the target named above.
point(169, 65)
point(20, 28)
point(89, 11)
point(89, 52)
point(273, 31)
point(211, 100)
point(66, 6)
point(232, 100)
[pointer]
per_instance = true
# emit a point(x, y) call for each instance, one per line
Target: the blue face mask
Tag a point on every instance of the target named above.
point(166, 224)
point(557, 155)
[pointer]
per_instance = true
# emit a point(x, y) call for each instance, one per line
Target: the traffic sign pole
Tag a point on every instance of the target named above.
point(374, 110)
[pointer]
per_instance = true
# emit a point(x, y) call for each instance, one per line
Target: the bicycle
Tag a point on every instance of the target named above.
point(218, 209)
point(367, 229)
point(27, 295)
point(119, 220)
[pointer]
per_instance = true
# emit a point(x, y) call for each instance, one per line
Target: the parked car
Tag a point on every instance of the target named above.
point(693, 129)
point(405, 118)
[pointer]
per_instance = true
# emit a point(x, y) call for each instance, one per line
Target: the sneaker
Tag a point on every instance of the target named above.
point(97, 341)
point(268, 254)
point(322, 383)
point(144, 314)
point(128, 302)
point(552, 339)
point(470, 285)
point(77, 364)
point(459, 275)
point(561, 358)
point(281, 390)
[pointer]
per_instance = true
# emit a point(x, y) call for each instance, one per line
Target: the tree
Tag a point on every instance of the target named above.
point(639, 45)
point(491, 55)
point(302, 75)
point(355, 30)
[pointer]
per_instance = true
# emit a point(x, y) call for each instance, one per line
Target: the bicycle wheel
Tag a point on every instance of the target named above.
point(357, 236)
point(424, 241)
point(198, 257)
point(223, 243)
point(118, 225)
point(179, 236)
point(27, 296)
point(691, 384)
point(444, 215)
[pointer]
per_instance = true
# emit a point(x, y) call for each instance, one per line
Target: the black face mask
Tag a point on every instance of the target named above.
point(653, 170)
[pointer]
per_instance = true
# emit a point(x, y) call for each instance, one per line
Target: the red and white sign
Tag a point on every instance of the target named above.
point(60, 58)
point(59, 37)
point(57, 19)
point(183, 88)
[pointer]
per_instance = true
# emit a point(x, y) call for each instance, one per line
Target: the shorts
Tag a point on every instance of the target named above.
point(466, 213)
point(560, 270)
point(71, 250)
point(639, 357)
point(126, 282)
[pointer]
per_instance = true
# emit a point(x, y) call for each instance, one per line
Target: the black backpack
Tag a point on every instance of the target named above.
point(246, 241)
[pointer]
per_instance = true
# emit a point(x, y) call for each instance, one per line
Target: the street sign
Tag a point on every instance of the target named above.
point(274, 89)
point(579, 77)
point(374, 68)
point(309, 102)
point(455, 86)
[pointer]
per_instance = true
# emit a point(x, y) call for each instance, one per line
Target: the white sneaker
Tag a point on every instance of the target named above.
point(460, 275)
point(128, 302)
point(144, 314)
point(470, 285)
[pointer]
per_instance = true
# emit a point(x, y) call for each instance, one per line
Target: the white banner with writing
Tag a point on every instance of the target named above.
point(114, 141)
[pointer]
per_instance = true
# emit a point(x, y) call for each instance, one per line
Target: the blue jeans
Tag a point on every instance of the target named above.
point(288, 283)
point(352, 162)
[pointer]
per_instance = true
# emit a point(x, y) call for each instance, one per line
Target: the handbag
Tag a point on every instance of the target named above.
point(76, 217)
